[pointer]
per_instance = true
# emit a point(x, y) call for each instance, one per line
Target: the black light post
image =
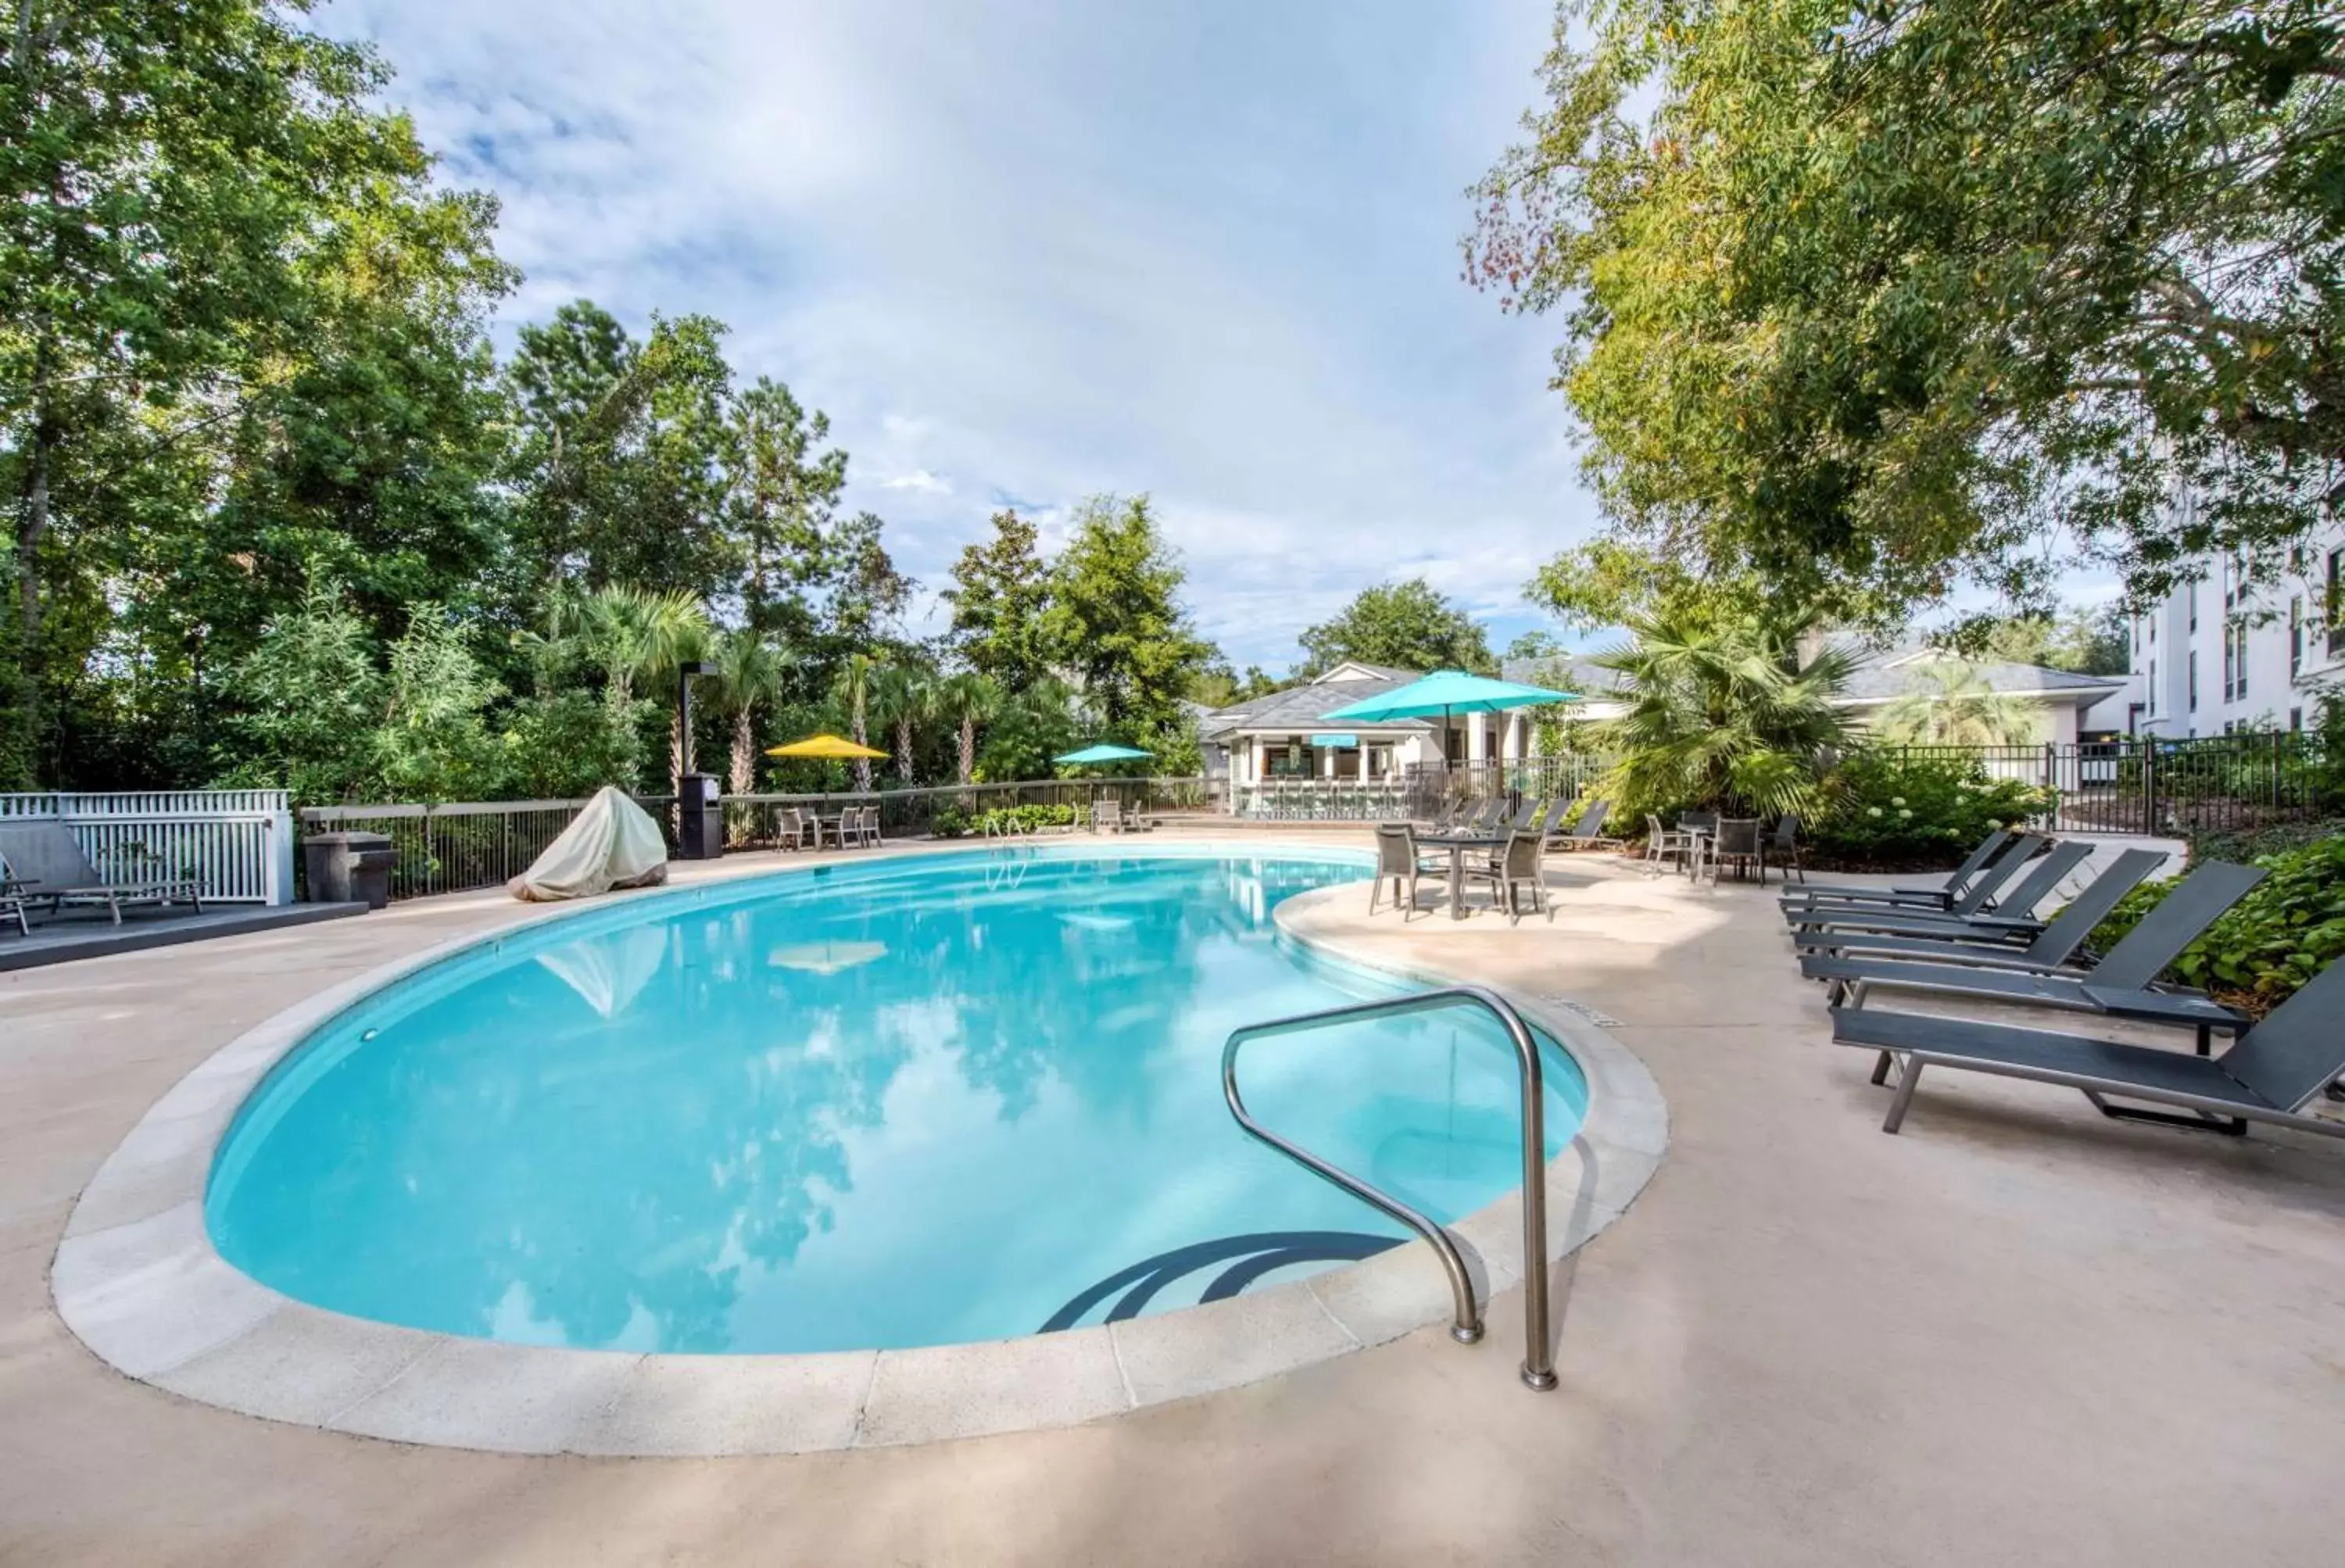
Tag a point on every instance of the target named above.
point(700, 820)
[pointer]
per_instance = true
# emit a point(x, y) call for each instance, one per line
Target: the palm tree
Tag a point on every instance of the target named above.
point(1951, 704)
point(750, 671)
point(1723, 715)
point(968, 700)
point(634, 633)
point(902, 696)
point(852, 690)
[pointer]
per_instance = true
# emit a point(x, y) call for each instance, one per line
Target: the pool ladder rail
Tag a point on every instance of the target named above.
point(1539, 1366)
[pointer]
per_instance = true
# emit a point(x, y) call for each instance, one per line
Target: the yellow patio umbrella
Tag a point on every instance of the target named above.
point(825, 747)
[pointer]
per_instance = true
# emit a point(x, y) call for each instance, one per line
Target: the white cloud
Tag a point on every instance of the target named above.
point(1207, 252)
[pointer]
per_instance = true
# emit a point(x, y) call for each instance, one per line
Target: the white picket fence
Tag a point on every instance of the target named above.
point(236, 844)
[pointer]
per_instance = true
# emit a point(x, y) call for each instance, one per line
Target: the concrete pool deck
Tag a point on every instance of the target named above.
point(2016, 1332)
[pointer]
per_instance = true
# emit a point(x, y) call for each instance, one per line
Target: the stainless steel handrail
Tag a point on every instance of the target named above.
point(1538, 1367)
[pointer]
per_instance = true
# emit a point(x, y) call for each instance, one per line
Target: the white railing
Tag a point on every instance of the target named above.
point(238, 844)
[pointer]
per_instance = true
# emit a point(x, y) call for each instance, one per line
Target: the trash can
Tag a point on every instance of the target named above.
point(348, 868)
point(700, 820)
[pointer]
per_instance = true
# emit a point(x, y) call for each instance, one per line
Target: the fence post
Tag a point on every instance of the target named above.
point(277, 871)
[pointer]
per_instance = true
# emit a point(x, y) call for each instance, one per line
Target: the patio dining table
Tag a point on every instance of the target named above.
point(1456, 844)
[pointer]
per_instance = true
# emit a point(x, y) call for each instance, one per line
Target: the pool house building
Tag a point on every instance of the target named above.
point(1285, 742)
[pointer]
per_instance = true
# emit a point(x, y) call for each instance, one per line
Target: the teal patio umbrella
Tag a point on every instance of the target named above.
point(1091, 756)
point(1445, 692)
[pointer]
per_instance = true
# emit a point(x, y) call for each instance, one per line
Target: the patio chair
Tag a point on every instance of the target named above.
point(1737, 840)
point(1976, 898)
point(40, 862)
point(1527, 819)
point(12, 907)
point(1940, 897)
point(789, 828)
point(1663, 844)
point(1397, 862)
point(2012, 920)
point(868, 826)
point(1991, 944)
point(1783, 849)
point(1516, 867)
point(2043, 975)
point(2270, 1073)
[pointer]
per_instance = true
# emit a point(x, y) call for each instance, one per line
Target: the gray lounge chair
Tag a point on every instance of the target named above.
point(2120, 984)
point(1587, 832)
point(2052, 945)
point(1976, 897)
point(12, 907)
point(41, 863)
point(2269, 1073)
point(1938, 898)
point(2013, 918)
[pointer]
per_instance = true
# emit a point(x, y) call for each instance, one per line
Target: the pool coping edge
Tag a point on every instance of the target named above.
point(136, 1279)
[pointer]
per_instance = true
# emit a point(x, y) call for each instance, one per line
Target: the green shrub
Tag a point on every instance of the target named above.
point(951, 823)
point(2271, 941)
point(1907, 811)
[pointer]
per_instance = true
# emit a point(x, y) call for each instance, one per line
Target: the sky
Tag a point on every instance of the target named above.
point(1025, 253)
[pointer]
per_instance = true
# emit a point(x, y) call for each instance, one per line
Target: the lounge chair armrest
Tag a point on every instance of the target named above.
point(2163, 1007)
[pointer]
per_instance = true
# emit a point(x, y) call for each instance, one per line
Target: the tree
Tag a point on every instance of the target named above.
point(307, 700)
point(780, 493)
point(1535, 646)
point(1721, 717)
point(2085, 642)
point(207, 234)
point(969, 700)
point(903, 696)
point(750, 674)
point(1217, 685)
point(852, 691)
point(619, 449)
point(1872, 300)
point(433, 743)
point(1407, 624)
point(1000, 589)
point(1951, 705)
point(1029, 729)
point(1114, 618)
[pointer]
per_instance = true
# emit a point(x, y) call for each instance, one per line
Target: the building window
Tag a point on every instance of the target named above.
point(2193, 682)
point(2230, 661)
point(2295, 720)
point(2153, 688)
point(2190, 593)
point(2295, 635)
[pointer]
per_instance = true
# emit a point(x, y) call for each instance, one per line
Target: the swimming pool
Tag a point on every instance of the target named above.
point(911, 1102)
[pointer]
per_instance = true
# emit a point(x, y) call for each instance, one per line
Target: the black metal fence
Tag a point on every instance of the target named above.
point(752, 821)
point(2216, 783)
point(1518, 779)
point(463, 846)
point(2176, 788)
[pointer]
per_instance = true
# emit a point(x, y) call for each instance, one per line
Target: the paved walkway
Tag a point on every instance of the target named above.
point(2016, 1333)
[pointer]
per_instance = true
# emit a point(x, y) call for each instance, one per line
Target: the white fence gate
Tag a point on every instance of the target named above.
point(236, 844)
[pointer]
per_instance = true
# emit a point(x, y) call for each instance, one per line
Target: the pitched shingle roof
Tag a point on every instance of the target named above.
point(1299, 708)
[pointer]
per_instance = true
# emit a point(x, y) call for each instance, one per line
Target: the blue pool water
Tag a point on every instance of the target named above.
point(906, 1102)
